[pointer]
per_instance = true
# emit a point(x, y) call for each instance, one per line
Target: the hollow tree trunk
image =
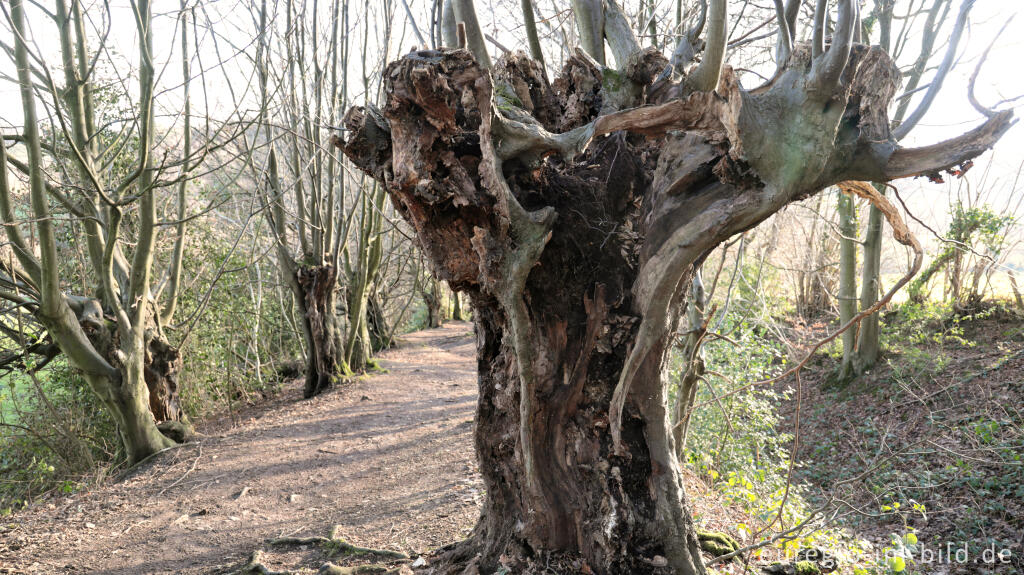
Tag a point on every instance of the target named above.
point(574, 318)
point(548, 364)
point(325, 363)
point(163, 364)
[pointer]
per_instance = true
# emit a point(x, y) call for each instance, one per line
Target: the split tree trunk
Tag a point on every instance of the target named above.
point(574, 319)
point(324, 355)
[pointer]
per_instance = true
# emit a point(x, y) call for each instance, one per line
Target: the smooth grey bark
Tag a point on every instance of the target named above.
point(448, 25)
point(848, 233)
point(530, 22)
point(465, 12)
point(705, 77)
point(589, 15)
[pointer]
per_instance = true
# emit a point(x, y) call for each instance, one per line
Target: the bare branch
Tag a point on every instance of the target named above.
point(785, 43)
point(818, 36)
point(589, 16)
point(531, 31)
point(792, 12)
point(827, 69)
point(20, 247)
point(619, 34)
point(705, 77)
point(448, 31)
point(906, 162)
point(415, 28)
point(903, 129)
point(988, 112)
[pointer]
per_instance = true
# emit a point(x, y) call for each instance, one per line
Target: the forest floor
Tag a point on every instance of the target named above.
point(930, 442)
point(388, 458)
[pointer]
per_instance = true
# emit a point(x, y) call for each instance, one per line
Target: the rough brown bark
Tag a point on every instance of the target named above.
point(377, 323)
point(163, 364)
point(161, 367)
point(137, 394)
point(574, 241)
point(432, 299)
point(324, 356)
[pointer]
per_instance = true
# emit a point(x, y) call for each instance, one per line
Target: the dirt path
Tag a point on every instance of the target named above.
point(389, 458)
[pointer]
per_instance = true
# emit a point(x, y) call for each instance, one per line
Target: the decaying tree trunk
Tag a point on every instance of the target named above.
point(575, 236)
point(325, 360)
point(163, 364)
point(377, 322)
point(432, 299)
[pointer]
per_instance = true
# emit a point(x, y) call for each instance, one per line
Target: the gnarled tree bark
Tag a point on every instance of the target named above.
point(575, 236)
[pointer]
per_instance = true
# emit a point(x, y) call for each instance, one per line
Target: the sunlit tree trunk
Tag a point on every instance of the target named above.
point(848, 232)
point(114, 339)
point(575, 237)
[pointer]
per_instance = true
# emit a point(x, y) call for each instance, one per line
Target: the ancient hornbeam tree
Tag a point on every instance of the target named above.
point(574, 214)
point(107, 320)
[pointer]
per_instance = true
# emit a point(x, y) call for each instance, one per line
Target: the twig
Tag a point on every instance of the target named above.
point(190, 470)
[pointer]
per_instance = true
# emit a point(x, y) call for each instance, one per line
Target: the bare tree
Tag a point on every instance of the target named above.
point(861, 348)
point(112, 327)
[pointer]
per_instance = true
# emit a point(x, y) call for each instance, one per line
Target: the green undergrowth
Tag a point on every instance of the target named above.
point(740, 445)
point(54, 435)
point(939, 425)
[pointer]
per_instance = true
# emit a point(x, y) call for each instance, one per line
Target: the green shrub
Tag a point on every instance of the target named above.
point(54, 434)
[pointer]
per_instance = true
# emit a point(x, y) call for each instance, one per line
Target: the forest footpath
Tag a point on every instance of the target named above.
point(388, 458)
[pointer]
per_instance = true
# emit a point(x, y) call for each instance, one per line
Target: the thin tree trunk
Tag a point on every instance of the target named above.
point(693, 366)
point(847, 208)
point(868, 340)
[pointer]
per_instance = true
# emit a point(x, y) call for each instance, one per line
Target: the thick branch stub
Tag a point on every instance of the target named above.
point(911, 162)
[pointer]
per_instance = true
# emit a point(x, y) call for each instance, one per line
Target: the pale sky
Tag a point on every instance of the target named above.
point(950, 115)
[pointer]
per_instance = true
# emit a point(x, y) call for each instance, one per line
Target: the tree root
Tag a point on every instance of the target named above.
point(717, 544)
point(332, 569)
point(255, 565)
point(333, 544)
